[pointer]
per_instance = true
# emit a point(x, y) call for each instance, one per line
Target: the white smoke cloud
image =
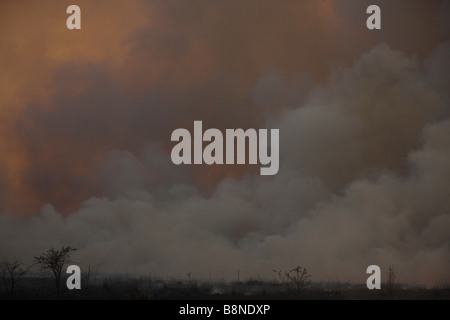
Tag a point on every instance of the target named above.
point(364, 179)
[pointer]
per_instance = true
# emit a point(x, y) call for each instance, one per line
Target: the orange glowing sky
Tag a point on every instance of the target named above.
point(165, 64)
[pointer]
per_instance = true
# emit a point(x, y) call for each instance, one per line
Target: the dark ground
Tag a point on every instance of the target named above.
point(146, 288)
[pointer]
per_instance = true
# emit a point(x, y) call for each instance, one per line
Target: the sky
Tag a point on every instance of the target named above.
point(364, 117)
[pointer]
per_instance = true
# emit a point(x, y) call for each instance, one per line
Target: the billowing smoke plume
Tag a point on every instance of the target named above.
point(364, 179)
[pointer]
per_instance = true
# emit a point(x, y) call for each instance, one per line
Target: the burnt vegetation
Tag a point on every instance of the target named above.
point(45, 279)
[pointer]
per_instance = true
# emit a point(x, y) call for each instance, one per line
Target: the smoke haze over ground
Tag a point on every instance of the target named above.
point(364, 121)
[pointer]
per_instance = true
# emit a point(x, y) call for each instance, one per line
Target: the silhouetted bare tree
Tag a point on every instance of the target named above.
point(392, 284)
point(296, 280)
point(54, 261)
point(11, 272)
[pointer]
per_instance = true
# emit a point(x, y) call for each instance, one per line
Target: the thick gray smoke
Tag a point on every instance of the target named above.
point(364, 179)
